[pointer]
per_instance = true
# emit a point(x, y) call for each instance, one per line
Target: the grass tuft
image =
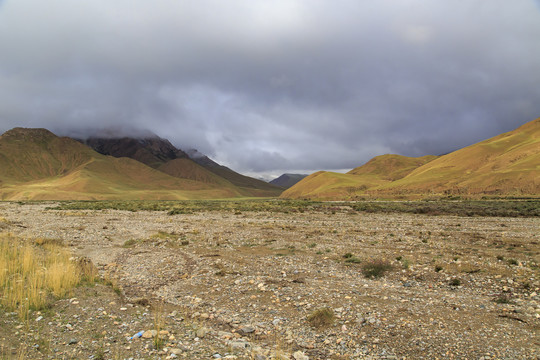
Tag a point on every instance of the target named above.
point(376, 268)
point(321, 318)
point(30, 275)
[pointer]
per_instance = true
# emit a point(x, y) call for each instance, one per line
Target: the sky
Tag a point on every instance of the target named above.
point(273, 86)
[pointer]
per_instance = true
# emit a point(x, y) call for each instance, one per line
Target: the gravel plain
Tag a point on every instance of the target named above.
point(241, 285)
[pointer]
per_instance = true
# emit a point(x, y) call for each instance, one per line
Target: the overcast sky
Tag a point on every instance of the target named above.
point(268, 86)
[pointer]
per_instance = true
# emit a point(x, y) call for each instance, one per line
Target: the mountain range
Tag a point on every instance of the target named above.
point(35, 164)
point(505, 165)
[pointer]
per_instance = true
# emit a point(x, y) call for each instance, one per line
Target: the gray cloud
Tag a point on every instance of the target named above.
point(287, 84)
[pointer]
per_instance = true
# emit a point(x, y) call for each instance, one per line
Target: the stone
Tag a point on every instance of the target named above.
point(225, 335)
point(175, 351)
point(246, 329)
point(239, 345)
point(149, 334)
point(299, 355)
point(202, 332)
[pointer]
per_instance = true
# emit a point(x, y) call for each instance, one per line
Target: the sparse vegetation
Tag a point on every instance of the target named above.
point(502, 299)
point(455, 282)
point(279, 279)
point(499, 208)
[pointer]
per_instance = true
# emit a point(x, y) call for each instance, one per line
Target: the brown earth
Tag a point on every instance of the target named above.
point(242, 285)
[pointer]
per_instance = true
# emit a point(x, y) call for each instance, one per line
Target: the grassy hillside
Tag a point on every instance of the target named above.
point(325, 185)
point(506, 165)
point(379, 170)
point(32, 154)
point(36, 164)
point(160, 154)
point(391, 167)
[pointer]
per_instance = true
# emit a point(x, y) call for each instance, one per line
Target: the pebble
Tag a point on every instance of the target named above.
point(202, 332)
point(299, 355)
point(148, 334)
point(247, 329)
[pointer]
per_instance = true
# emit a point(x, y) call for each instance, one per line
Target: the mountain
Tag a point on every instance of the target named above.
point(380, 170)
point(160, 154)
point(505, 165)
point(287, 180)
point(152, 150)
point(255, 186)
point(37, 164)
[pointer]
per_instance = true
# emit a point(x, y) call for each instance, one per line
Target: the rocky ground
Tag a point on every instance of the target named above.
point(237, 285)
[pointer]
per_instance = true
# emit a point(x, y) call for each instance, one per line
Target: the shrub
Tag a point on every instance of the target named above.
point(320, 318)
point(455, 282)
point(376, 268)
point(503, 299)
point(512, 262)
point(129, 243)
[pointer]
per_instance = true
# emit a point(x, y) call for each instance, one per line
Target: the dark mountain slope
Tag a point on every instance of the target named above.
point(287, 180)
point(162, 155)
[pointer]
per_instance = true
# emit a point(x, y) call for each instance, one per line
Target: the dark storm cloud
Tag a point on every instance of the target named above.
point(275, 85)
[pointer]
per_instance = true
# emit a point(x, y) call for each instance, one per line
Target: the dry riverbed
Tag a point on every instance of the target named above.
point(219, 284)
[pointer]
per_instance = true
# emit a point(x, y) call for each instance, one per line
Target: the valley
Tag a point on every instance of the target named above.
point(287, 280)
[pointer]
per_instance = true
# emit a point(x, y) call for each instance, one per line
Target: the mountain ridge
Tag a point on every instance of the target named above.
point(38, 165)
point(160, 154)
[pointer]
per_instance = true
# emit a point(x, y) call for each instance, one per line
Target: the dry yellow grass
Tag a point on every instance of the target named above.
point(29, 275)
